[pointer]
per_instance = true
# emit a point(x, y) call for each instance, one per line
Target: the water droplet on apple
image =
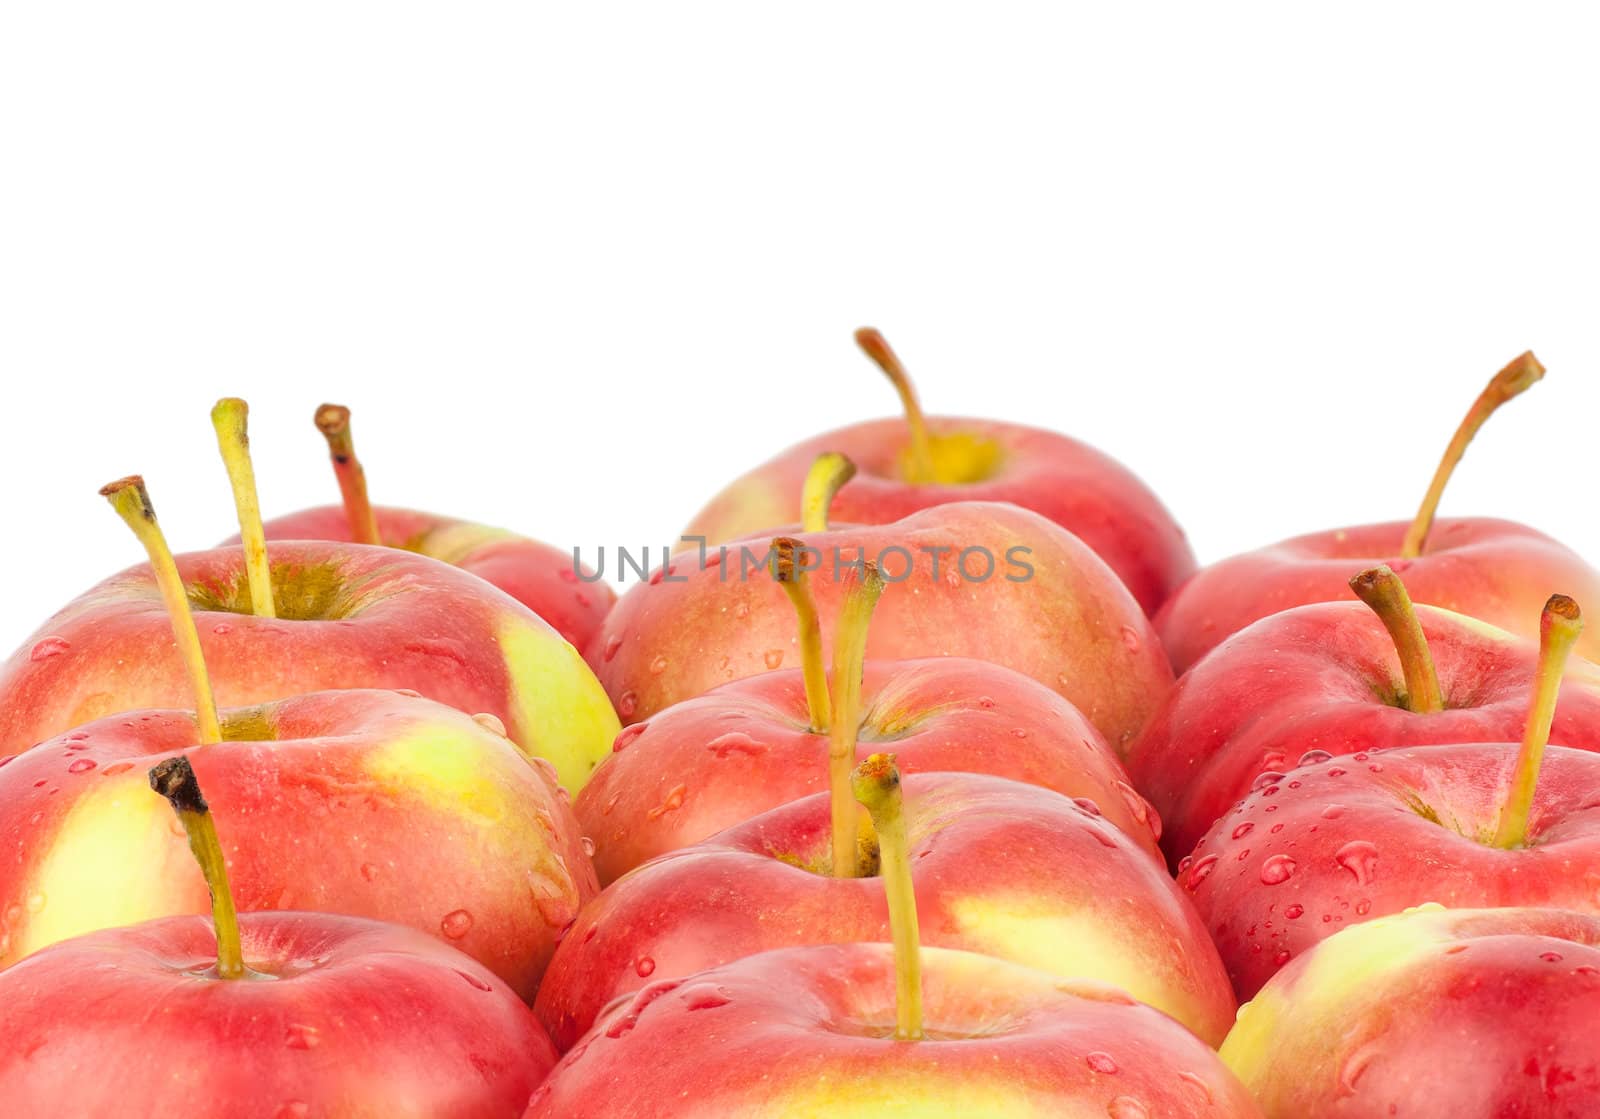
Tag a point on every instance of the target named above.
point(1243, 830)
point(48, 647)
point(1130, 639)
point(588, 845)
point(735, 742)
point(1294, 911)
point(670, 803)
point(658, 665)
point(1360, 858)
point(1126, 1107)
point(1280, 957)
point(473, 981)
point(1269, 777)
point(35, 902)
point(1184, 864)
point(222, 629)
point(613, 643)
point(82, 765)
point(410, 693)
point(1243, 855)
point(1201, 1090)
point(1333, 812)
point(741, 610)
point(986, 702)
point(772, 658)
point(1102, 1062)
point(1354, 1065)
point(456, 924)
point(567, 575)
point(1336, 771)
point(1200, 871)
point(369, 871)
point(1277, 869)
point(706, 996)
point(1363, 907)
point(627, 704)
point(1550, 957)
point(115, 768)
point(644, 967)
point(297, 1036)
point(1087, 805)
point(490, 722)
point(1314, 757)
point(626, 737)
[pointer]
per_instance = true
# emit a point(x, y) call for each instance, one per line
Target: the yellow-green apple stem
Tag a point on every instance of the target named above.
point(231, 419)
point(175, 780)
point(875, 346)
point(849, 659)
point(1559, 627)
point(1513, 380)
point(1381, 589)
point(827, 474)
point(876, 784)
point(792, 578)
point(333, 420)
point(132, 502)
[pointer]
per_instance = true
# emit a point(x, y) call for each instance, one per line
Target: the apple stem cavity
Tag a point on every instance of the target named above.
point(175, 780)
point(1516, 378)
point(922, 468)
point(131, 500)
point(828, 473)
point(231, 418)
point(1559, 627)
point(791, 576)
point(333, 420)
point(1381, 589)
point(849, 659)
point(876, 784)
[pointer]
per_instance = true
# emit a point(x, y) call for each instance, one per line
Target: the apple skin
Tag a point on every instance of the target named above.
point(363, 1019)
point(351, 616)
point(745, 747)
point(1002, 868)
point(1344, 841)
point(1322, 677)
point(1072, 625)
point(1498, 571)
point(538, 575)
point(1447, 1012)
point(367, 803)
point(810, 1032)
point(1083, 490)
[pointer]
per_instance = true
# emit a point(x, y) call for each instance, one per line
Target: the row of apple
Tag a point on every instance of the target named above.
point(723, 819)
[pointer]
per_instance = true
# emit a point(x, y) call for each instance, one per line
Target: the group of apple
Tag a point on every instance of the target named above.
point(968, 795)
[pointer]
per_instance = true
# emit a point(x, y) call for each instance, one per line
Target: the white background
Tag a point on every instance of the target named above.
point(574, 270)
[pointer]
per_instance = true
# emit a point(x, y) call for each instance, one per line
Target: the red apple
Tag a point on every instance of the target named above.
point(863, 1029)
point(1494, 570)
point(1375, 833)
point(1327, 679)
point(540, 576)
point(348, 616)
point(1003, 868)
point(1434, 1012)
point(281, 1013)
point(1031, 597)
point(916, 463)
point(365, 802)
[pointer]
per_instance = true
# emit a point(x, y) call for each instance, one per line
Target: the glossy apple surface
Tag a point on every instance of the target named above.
point(1436, 1012)
point(1375, 833)
point(1071, 625)
point(1083, 490)
point(809, 1031)
point(1325, 679)
point(347, 1017)
point(1003, 868)
point(746, 747)
point(538, 575)
point(1498, 571)
point(350, 616)
point(367, 803)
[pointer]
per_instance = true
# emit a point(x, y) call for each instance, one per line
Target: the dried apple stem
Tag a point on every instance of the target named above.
point(831, 471)
point(1381, 589)
point(849, 659)
point(1559, 627)
point(791, 576)
point(1516, 378)
point(175, 780)
point(333, 420)
point(132, 502)
point(876, 784)
point(921, 468)
point(231, 417)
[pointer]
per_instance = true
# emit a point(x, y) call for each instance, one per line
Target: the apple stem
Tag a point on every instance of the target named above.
point(175, 780)
point(131, 500)
point(830, 471)
point(849, 659)
point(792, 578)
point(876, 784)
point(1381, 589)
point(1559, 627)
point(231, 417)
point(333, 420)
point(1516, 378)
point(876, 347)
